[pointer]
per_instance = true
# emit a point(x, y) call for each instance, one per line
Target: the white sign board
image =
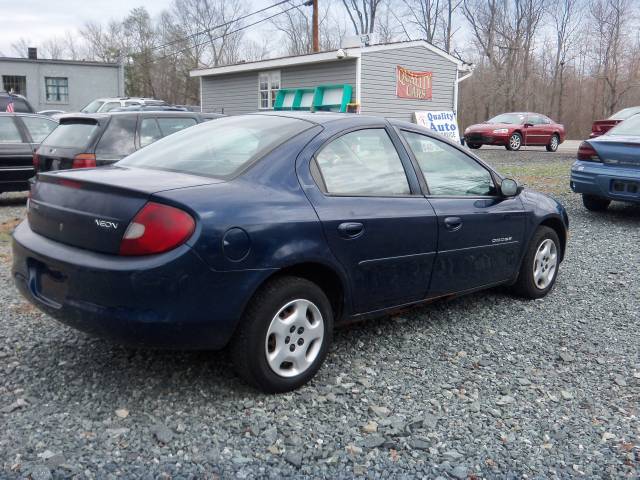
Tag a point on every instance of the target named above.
point(440, 121)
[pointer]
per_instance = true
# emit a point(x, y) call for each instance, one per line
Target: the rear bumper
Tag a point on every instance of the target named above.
point(15, 179)
point(172, 300)
point(614, 183)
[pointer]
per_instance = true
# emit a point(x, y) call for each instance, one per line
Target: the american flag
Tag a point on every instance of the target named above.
point(10, 107)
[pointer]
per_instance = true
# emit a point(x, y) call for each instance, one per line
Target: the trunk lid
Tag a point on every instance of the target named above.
point(600, 127)
point(618, 150)
point(91, 208)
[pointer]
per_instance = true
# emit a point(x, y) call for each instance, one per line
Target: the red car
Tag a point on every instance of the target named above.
point(513, 130)
point(600, 127)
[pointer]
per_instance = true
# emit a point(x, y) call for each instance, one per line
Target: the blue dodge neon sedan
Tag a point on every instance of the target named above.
point(263, 231)
point(608, 167)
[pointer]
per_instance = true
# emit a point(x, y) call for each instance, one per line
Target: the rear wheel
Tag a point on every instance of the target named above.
point(594, 203)
point(515, 142)
point(474, 146)
point(552, 146)
point(284, 335)
point(539, 267)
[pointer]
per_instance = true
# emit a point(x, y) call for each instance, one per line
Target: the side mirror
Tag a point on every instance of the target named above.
point(527, 125)
point(510, 188)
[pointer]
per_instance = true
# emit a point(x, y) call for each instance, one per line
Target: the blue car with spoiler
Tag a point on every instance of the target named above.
point(261, 232)
point(608, 167)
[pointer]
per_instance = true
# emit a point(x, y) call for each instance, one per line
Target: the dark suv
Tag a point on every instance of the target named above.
point(20, 103)
point(94, 140)
point(20, 135)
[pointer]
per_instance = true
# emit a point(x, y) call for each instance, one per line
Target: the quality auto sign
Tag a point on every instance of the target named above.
point(441, 121)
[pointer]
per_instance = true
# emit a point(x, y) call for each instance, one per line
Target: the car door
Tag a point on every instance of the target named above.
point(376, 222)
point(16, 155)
point(536, 132)
point(480, 233)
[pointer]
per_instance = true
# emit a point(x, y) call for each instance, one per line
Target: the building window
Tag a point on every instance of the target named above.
point(268, 86)
point(57, 89)
point(15, 84)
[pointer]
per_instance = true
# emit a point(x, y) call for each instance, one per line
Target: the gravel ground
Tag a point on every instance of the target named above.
point(484, 386)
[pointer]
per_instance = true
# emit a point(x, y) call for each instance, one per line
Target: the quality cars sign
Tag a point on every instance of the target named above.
point(410, 84)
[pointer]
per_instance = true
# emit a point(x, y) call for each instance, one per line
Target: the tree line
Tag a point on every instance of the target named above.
point(573, 60)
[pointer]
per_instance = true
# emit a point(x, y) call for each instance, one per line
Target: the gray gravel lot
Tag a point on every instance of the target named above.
point(484, 386)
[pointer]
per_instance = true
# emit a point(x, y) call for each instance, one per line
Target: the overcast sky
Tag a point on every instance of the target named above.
point(38, 20)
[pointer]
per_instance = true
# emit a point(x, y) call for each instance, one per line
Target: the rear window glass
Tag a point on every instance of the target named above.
point(71, 135)
point(629, 127)
point(118, 138)
point(173, 125)
point(218, 149)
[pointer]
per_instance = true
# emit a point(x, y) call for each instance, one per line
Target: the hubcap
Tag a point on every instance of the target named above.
point(294, 338)
point(554, 142)
point(545, 264)
point(514, 141)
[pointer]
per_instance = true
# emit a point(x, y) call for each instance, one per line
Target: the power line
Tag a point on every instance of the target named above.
point(227, 34)
point(230, 22)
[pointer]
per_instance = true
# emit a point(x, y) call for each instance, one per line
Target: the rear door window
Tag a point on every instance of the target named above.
point(38, 127)
point(170, 125)
point(118, 140)
point(149, 131)
point(9, 132)
point(71, 135)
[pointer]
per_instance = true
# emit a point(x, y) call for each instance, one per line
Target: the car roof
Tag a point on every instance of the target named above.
point(106, 115)
point(322, 117)
point(25, 114)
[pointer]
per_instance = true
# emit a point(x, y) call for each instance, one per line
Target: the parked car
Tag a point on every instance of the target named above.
point(513, 130)
point(96, 140)
point(608, 167)
point(104, 105)
point(600, 127)
point(14, 103)
point(20, 134)
point(262, 231)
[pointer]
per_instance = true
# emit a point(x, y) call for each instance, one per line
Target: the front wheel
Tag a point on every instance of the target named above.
point(515, 142)
point(552, 146)
point(594, 203)
point(284, 335)
point(540, 265)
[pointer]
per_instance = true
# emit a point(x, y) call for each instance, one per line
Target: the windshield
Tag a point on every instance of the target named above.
point(217, 149)
point(630, 127)
point(71, 135)
point(93, 107)
point(511, 118)
point(625, 113)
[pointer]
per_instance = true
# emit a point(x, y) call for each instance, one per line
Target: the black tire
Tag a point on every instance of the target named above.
point(553, 144)
point(515, 142)
point(526, 285)
point(474, 146)
point(248, 348)
point(594, 203)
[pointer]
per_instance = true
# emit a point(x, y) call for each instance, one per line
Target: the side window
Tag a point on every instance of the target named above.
point(39, 128)
point(107, 107)
point(149, 131)
point(363, 162)
point(9, 132)
point(130, 103)
point(447, 170)
point(534, 119)
point(118, 139)
point(173, 125)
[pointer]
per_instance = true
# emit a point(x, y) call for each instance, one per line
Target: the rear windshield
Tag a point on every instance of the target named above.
point(625, 113)
point(71, 135)
point(630, 127)
point(93, 107)
point(217, 149)
point(511, 118)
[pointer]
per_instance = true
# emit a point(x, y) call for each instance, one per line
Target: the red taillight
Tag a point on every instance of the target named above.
point(156, 228)
point(84, 160)
point(587, 152)
point(36, 161)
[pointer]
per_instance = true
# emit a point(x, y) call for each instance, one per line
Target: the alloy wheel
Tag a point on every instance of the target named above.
point(294, 338)
point(545, 264)
point(514, 142)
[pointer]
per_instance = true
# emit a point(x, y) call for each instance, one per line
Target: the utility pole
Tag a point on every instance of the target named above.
point(316, 39)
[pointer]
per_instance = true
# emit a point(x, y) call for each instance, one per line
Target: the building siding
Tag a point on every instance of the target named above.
point(86, 82)
point(237, 93)
point(378, 82)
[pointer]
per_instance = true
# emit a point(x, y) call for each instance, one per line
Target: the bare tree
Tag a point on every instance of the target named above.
point(362, 14)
